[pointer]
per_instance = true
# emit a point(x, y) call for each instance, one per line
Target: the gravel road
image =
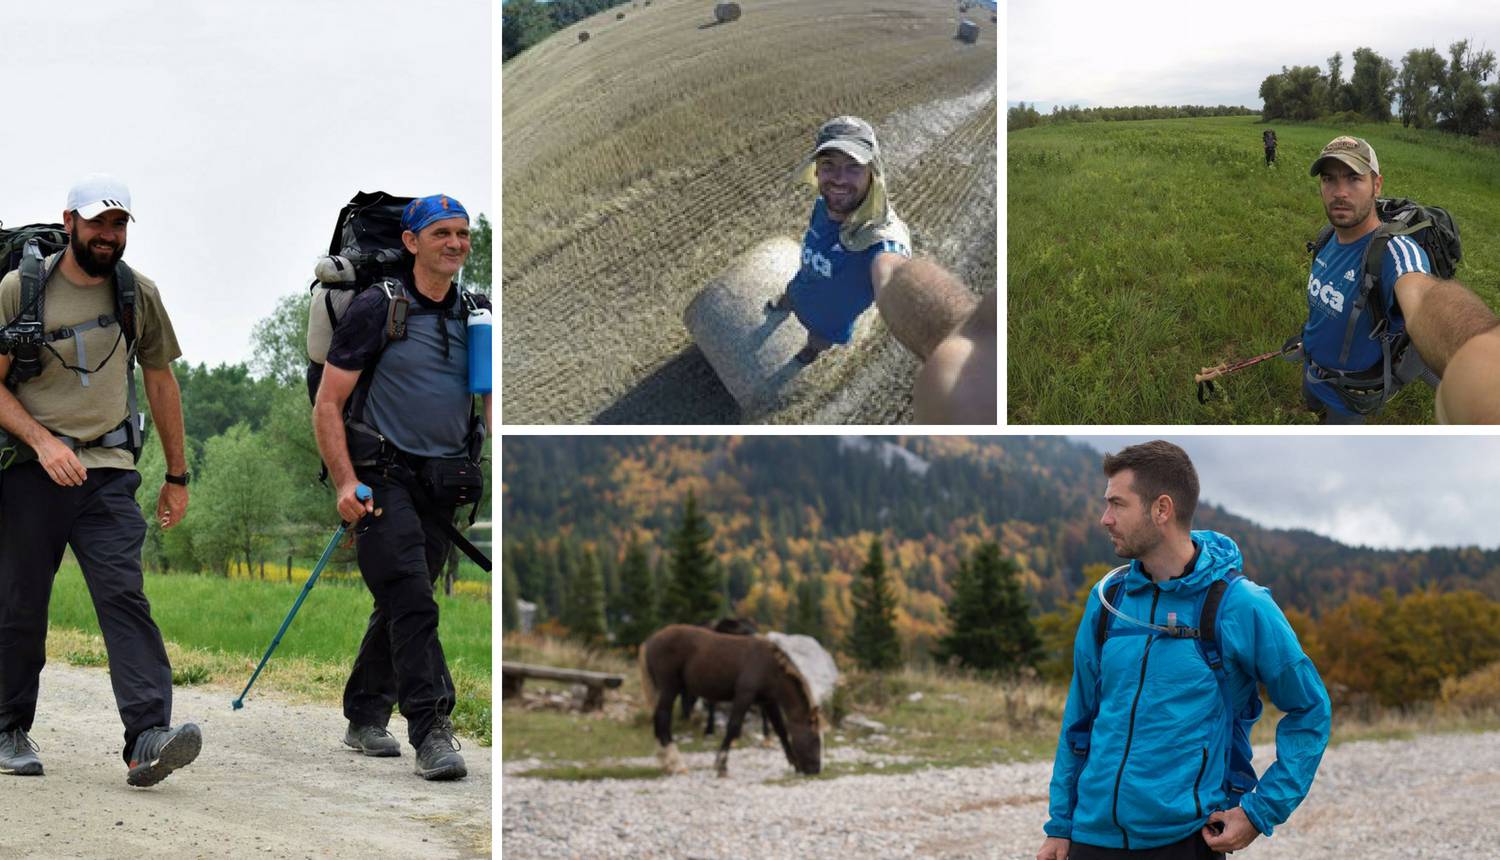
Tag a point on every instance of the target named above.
point(273, 780)
point(1435, 796)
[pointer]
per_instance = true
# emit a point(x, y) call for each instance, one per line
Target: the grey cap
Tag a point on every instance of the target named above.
point(850, 135)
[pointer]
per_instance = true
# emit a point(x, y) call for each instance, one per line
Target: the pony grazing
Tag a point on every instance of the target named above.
point(743, 670)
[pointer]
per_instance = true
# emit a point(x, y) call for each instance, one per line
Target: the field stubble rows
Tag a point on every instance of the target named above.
point(638, 164)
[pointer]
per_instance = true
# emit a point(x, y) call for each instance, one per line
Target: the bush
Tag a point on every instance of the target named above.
point(1476, 692)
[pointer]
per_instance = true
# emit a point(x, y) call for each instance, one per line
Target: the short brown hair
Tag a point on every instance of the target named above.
point(1161, 469)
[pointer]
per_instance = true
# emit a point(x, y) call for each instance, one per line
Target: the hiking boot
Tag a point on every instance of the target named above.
point(18, 754)
point(437, 757)
point(782, 302)
point(809, 354)
point(158, 752)
point(372, 740)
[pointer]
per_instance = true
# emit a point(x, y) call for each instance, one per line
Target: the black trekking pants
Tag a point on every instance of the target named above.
point(400, 660)
point(1191, 848)
point(103, 525)
point(1270, 154)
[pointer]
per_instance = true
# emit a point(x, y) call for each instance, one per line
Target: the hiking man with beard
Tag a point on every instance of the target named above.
point(854, 240)
point(69, 478)
point(1347, 373)
point(1268, 139)
point(1153, 760)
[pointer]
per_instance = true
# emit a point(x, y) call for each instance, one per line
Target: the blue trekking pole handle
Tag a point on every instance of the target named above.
point(363, 494)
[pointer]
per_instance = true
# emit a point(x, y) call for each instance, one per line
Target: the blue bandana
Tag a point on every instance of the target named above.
point(425, 210)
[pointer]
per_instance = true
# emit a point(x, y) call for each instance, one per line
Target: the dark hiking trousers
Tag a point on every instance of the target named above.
point(400, 660)
point(1270, 154)
point(103, 525)
point(1191, 848)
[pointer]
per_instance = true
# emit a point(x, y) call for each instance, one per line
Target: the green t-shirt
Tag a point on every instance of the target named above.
point(86, 406)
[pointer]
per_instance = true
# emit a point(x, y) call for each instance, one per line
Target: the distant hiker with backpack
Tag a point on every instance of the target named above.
point(394, 412)
point(854, 240)
point(1154, 759)
point(1382, 308)
point(75, 323)
point(1268, 138)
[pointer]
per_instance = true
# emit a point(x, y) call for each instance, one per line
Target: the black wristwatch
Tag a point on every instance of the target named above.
point(179, 480)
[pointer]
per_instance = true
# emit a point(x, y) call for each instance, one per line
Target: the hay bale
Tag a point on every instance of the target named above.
point(584, 36)
point(726, 12)
point(750, 350)
point(968, 31)
point(993, 19)
point(619, 16)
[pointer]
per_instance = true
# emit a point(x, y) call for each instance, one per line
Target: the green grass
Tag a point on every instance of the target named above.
point(1140, 252)
point(217, 629)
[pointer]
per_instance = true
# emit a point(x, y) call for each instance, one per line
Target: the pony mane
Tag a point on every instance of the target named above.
point(785, 662)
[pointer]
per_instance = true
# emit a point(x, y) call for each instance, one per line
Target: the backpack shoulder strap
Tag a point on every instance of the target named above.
point(1101, 630)
point(125, 306)
point(1239, 772)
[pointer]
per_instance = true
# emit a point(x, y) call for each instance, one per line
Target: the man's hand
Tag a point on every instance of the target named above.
point(171, 504)
point(61, 463)
point(350, 507)
point(1237, 833)
point(1055, 848)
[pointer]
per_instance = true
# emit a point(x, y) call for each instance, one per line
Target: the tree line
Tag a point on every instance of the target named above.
point(524, 23)
point(1027, 116)
point(1429, 90)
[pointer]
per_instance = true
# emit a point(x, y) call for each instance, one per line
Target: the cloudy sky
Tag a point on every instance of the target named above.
point(1381, 491)
point(1092, 53)
point(241, 129)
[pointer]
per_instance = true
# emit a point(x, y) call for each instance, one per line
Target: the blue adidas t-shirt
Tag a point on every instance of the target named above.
point(1332, 289)
point(833, 286)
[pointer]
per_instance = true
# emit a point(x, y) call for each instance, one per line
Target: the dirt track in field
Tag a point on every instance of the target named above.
point(273, 780)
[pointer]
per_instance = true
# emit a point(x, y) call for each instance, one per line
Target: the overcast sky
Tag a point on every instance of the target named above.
point(1095, 53)
point(241, 129)
point(1405, 492)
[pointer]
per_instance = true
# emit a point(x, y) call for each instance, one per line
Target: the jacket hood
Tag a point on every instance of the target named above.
point(1217, 556)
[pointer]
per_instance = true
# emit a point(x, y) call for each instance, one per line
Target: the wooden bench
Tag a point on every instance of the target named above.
point(513, 675)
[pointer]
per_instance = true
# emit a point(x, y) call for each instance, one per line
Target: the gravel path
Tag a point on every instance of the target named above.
point(1435, 796)
point(273, 780)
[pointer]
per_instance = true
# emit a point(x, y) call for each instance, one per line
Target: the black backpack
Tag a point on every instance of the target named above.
point(1434, 229)
point(365, 249)
point(26, 249)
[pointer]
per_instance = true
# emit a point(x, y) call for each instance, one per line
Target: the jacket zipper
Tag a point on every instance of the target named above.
point(1130, 731)
point(1197, 806)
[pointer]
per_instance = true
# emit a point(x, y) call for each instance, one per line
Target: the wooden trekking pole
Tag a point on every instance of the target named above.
point(1206, 376)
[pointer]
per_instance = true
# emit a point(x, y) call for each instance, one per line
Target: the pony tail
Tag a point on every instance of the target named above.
point(648, 689)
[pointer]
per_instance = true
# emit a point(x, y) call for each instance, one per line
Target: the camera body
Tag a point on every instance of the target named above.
point(22, 341)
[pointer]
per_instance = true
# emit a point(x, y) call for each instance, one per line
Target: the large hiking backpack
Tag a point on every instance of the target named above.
point(1239, 772)
point(26, 249)
point(1431, 227)
point(364, 250)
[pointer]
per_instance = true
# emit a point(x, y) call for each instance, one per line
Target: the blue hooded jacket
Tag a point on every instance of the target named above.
point(1153, 763)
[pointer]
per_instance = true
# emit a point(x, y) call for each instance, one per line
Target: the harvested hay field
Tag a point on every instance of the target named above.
point(639, 164)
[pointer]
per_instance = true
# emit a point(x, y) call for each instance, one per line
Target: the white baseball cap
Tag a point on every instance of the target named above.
point(98, 193)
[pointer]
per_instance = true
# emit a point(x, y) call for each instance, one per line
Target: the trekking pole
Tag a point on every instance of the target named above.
point(362, 493)
point(1205, 377)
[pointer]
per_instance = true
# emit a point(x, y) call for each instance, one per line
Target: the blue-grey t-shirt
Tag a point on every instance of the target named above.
point(418, 396)
point(1332, 287)
point(833, 287)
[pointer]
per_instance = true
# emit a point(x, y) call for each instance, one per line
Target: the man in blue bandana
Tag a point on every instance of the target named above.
point(854, 240)
point(410, 413)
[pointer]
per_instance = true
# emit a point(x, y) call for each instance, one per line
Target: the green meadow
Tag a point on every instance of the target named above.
point(1141, 252)
point(218, 628)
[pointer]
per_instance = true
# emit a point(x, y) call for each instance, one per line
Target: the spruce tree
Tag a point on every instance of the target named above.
point(638, 601)
point(872, 638)
point(510, 592)
point(990, 617)
point(585, 601)
point(694, 593)
point(807, 612)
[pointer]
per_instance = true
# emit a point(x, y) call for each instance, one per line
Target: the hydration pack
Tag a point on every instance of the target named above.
point(1434, 229)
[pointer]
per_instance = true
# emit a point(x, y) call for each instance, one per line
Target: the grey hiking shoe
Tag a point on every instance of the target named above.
point(18, 754)
point(437, 756)
point(160, 751)
point(371, 740)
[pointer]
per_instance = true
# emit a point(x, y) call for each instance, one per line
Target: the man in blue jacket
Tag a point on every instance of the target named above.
point(1145, 761)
